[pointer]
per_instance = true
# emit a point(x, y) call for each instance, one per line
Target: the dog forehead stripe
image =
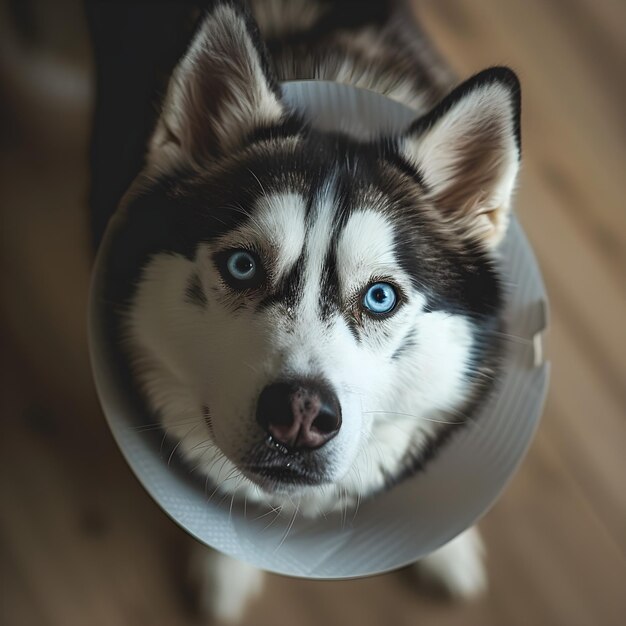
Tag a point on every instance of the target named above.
point(304, 283)
point(322, 220)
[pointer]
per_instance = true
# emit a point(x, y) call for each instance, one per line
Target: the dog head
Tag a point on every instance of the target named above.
point(319, 312)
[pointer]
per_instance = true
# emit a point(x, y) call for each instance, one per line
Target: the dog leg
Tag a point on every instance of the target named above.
point(224, 585)
point(458, 568)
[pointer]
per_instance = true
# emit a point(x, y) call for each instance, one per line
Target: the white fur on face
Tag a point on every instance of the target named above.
point(277, 228)
point(188, 357)
point(365, 248)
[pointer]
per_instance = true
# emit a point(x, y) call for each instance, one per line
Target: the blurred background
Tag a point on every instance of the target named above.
point(82, 543)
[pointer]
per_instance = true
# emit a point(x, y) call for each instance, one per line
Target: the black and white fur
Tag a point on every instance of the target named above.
point(230, 167)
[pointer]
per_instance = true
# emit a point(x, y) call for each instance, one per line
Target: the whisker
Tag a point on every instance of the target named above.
point(278, 512)
point(205, 443)
point(219, 483)
point(359, 491)
point(232, 499)
point(246, 213)
point(200, 461)
point(165, 426)
point(250, 366)
point(273, 509)
point(514, 338)
point(233, 474)
point(293, 519)
point(258, 181)
point(180, 441)
point(344, 513)
point(416, 417)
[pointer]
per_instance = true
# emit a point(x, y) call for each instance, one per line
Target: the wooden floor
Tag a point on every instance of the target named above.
point(82, 544)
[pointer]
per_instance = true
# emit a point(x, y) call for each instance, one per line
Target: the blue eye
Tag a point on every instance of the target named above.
point(380, 298)
point(241, 265)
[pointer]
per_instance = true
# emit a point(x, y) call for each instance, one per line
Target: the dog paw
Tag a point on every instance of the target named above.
point(224, 585)
point(457, 569)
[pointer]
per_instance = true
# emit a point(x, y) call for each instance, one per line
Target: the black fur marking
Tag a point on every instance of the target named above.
point(288, 291)
point(291, 125)
point(408, 343)
point(329, 289)
point(353, 327)
point(455, 277)
point(194, 294)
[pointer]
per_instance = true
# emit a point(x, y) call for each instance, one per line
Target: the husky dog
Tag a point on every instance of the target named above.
point(314, 315)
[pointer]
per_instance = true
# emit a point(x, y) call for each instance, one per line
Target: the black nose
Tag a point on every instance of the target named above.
point(299, 414)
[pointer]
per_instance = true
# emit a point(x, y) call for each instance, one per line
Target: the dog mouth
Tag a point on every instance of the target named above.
point(271, 477)
point(275, 468)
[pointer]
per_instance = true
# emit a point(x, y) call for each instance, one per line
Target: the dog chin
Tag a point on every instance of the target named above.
point(287, 478)
point(280, 483)
point(305, 500)
point(291, 489)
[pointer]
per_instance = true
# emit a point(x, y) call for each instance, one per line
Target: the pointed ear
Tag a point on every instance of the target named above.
point(222, 89)
point(467, 150)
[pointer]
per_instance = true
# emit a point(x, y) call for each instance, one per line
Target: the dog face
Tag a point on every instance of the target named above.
point(319, 312)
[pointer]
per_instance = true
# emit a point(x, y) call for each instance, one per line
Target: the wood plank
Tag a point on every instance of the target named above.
point(587, 427)
point(544, 546)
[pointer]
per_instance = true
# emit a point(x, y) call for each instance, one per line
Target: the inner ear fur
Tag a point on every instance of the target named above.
point(467, 151)
point(222, 89)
